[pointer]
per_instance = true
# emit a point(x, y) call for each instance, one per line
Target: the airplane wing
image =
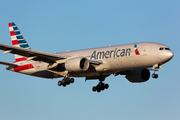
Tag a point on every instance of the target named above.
point(31, 54)
point(10, 64)
point(35, 55)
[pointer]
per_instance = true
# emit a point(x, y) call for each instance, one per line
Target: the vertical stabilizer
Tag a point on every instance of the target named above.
point(18, 40)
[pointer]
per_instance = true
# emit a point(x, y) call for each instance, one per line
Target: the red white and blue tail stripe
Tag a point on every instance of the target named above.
point(18, 40)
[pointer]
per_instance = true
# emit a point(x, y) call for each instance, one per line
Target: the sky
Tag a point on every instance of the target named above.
point(63, 25)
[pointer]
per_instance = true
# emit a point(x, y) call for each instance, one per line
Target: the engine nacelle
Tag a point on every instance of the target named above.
point(77, 64)
point(138, 76)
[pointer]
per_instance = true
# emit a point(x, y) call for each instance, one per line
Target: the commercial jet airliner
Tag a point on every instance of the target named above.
point(132, 60)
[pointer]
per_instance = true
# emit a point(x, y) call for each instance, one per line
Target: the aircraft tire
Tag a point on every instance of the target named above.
point(67, 81)
point(102, 87)
point(94, 89)
point(63, 81)
point(153, 75)
point(106, 86)
point(59, 83)
point(156, 76)
point(98, 90)
point(72, 80)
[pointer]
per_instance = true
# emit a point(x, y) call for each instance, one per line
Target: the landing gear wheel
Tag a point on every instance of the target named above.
point(63, 81)
point(106, 86)
point(94, 89)
point(100, 87)
point(98, 90)
point(72, 80)
point(67, 81)
point(154, 75)
point(59, 83)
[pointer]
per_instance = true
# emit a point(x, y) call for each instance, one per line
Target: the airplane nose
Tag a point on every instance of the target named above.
point(165, 56)
point(168, 55)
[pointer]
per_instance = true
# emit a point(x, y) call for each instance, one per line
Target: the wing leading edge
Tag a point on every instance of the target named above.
point(31, 54)
point(9, 64)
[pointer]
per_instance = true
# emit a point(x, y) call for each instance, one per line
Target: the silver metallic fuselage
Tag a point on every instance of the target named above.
point(114, 59)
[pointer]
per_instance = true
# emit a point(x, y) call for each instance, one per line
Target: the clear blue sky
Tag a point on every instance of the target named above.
point(56, 25)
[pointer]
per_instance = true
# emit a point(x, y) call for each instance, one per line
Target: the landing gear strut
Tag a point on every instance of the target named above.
point(100, 87)
point(65, 81)
point(156, 67)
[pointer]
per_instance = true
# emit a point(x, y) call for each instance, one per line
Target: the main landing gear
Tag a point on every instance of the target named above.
point(66, 81)
point(100, 87)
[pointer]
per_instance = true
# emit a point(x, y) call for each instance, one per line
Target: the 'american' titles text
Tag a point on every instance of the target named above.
point(111, 53)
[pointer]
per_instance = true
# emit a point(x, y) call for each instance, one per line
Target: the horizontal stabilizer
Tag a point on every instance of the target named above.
point(10, 64)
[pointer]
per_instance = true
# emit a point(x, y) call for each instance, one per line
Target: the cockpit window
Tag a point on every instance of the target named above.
point(163, 48)
point(167, 49)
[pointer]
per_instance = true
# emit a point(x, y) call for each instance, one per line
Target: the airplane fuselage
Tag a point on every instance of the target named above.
point(114, 59)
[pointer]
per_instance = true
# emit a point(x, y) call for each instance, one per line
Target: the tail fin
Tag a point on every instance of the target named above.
point(18, 40)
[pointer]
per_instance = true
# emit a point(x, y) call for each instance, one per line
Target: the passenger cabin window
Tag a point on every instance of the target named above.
point(163, 48)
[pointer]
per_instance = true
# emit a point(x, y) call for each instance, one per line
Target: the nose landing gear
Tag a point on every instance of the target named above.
point(154, 75)
point(156, 67)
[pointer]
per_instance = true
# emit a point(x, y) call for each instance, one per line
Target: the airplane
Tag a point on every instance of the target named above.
point(132, 60)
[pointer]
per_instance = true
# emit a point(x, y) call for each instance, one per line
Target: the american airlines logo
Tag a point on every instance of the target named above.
point(111, 53)
point(136, 49)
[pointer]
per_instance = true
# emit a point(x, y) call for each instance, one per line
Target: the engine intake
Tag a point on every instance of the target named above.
point(77, 64)
point(138, 76)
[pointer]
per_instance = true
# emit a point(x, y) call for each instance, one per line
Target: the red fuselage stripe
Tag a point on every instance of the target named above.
point(23, 67)
point(21, 59)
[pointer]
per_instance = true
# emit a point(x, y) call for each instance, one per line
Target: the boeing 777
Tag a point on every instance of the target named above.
point(131, 60)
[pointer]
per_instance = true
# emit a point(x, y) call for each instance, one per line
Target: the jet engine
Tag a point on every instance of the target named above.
point(138, 75)
point(77, 64)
